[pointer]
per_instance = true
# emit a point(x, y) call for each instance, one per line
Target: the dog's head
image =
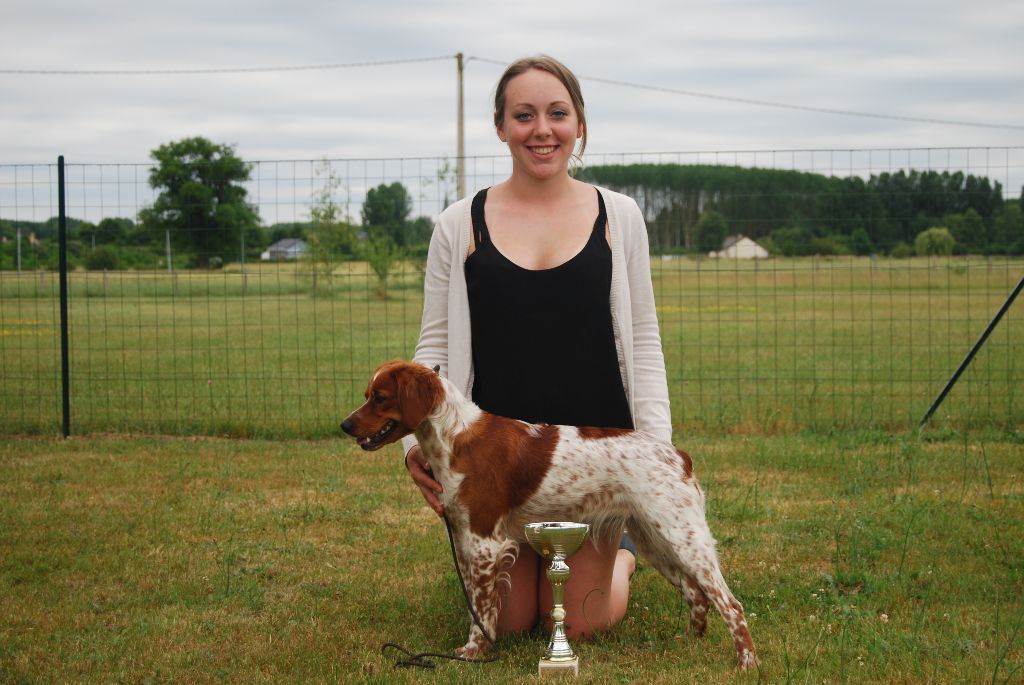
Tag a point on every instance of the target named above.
point(399, 397)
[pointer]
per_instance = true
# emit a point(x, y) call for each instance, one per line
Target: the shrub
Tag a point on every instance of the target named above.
point(821, 246)
point(792, 242)
point(103, 258)
point(767, 243)
point(902, 251)
point(934, 241)
point(828, 245)
point(860, 242)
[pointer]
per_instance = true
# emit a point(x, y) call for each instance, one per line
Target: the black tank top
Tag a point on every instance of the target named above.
point(543, 345)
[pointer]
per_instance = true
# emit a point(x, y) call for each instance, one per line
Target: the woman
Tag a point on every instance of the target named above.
point(538, 304)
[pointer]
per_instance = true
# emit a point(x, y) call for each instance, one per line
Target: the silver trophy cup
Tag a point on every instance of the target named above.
point(555, 541)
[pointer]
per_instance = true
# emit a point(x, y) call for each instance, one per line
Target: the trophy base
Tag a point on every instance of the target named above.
point(547, 668)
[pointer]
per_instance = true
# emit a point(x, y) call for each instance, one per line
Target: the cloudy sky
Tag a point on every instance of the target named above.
point(914, 61)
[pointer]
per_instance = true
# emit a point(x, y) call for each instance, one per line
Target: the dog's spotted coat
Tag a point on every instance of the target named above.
point(499, 474)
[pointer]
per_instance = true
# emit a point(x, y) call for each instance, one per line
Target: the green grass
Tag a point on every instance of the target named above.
point(860, 558)
point(752, 348)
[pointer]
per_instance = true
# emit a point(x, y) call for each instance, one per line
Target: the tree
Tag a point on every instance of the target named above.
point(202, 203)
point(860, 242)
point(109, 231)
point(113, 230)
point(1009, 229)
point(381, 254)
point(86, 232)
point(417, 234)
point(386, 210)
point(447, 180)
point(286, 229)
point(792, 242)
point(891, 207)
point(331, 236)
point(712, 227)
point(968, 230)
point(934, 241)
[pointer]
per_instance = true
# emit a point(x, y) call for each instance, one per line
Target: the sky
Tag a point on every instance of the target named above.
point(912, 61)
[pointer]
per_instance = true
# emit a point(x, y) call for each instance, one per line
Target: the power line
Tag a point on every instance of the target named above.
point(596, 79)
point(781, 105)
point(227, 70)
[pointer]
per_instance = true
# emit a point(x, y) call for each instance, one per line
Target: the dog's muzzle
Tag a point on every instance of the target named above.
point(372, 442)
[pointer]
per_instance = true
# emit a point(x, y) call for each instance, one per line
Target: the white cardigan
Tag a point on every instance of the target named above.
point(445, 329)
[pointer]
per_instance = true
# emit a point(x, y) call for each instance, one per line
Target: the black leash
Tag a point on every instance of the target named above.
point(419, 659)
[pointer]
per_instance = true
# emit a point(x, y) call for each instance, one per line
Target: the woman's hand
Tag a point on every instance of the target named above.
point(424, 479)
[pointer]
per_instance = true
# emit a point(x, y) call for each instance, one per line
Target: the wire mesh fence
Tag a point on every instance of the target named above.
point(238, 337)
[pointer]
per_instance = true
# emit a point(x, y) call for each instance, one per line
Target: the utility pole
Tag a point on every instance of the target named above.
point(460, 162)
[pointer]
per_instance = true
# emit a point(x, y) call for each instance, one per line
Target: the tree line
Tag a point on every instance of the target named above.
point(693, 207)
point(202, 215)
point(203, 218)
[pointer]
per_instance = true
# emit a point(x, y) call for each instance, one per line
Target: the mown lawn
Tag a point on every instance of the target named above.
point(860, 558)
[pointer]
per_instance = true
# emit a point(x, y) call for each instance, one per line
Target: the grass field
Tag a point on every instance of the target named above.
point(859, 558)
point(752, 348)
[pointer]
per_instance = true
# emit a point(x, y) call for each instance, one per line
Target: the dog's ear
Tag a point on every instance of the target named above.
point(418, 394)
point(437, 369)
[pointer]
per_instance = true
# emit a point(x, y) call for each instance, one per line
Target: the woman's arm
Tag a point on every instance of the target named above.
point(432, 349)
point(650, 382)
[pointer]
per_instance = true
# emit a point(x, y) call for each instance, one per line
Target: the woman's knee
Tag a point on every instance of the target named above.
point(592, 596)
point(518, 612)
point(518, 619)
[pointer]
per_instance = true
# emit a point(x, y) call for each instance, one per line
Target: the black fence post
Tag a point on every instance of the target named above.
point(974, 350)
point(65, 376)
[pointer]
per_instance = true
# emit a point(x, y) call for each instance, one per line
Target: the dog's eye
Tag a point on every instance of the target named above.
point(378, 398)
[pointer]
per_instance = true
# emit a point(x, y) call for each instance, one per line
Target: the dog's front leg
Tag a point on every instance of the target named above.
point(482, 561)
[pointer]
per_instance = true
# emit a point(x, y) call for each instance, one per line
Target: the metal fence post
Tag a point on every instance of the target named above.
point(974, 350)
point(63, 250)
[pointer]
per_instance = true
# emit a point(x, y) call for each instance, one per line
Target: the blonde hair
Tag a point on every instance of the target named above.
point(556, 69)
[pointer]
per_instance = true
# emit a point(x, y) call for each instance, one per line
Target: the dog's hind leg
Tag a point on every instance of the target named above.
point(698, 602)
point(684, 552)
point(686, 583)
point(709, 576)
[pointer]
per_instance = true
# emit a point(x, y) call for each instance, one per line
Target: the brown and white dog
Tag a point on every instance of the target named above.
point(499, 474)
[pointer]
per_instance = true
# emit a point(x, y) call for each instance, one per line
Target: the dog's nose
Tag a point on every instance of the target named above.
point(346, 426)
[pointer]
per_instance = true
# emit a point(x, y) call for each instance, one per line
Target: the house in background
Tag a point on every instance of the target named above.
point(740, 247)
point(289, 248)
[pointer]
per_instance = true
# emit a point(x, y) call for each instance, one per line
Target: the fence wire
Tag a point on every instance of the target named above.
point(173, 340)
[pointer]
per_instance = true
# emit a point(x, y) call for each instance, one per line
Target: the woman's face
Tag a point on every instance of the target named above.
point(540, 124)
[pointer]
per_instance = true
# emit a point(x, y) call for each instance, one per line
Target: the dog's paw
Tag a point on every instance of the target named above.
point(747, 660)
point(471, 650)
